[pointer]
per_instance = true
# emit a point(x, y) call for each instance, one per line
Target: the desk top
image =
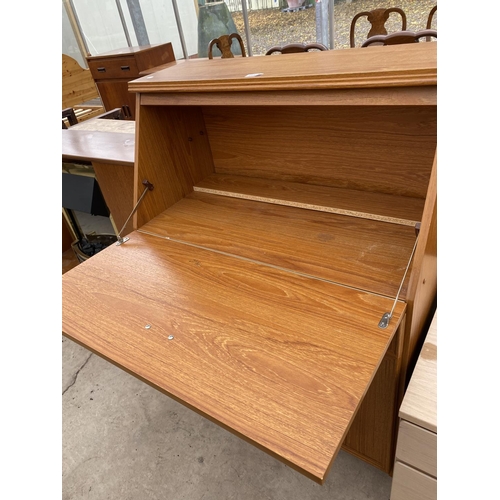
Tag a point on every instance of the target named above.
point(96, 145)
point(420, 402)
point(280, 359)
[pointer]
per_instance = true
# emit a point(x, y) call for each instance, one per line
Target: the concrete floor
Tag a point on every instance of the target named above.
point(123, 440)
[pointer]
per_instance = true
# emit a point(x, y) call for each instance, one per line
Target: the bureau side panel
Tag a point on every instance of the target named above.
point(172, 153)
point(422, 287)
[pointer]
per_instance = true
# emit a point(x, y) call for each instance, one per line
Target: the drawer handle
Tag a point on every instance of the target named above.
point(102, 69)
point(125, 68)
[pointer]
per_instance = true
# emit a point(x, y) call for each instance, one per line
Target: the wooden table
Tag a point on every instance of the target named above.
point(288, 193)
point(109, 146)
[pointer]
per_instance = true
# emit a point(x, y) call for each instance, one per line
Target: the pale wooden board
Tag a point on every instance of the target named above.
point(417, 447)
point(281, 360)
point(420, 402)
point(411, 484)
point(107, 125)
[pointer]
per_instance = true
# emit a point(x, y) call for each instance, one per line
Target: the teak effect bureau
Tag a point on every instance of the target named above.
point(288, 193)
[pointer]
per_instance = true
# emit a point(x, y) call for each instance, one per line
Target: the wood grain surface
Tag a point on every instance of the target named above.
point(172, 153)
point(420, 401)
point(421, 296)
point(381, 149)
point(397, 65)
point(87, 145)
point(279, 359)
point(117, 186)
point(411, 484)
point(393, 96)
point(106, 125)
point(361, 253)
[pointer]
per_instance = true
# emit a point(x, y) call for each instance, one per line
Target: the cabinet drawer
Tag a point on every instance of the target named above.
point(411, 484)
point(417, 447)
point(121, 67)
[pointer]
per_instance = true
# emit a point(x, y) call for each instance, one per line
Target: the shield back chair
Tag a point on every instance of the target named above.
point(223, 43)
point(377, 19)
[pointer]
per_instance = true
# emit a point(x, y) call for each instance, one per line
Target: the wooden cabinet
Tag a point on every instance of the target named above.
point(415, 471)
point(293, 207)
point(113, 70)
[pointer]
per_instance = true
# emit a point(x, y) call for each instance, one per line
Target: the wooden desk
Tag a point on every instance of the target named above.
point(109, 146)
point(277, 235)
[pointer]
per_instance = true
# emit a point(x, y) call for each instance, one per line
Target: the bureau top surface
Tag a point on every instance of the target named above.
point(391, 66)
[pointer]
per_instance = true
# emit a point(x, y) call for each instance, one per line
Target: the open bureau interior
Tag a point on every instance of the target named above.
point(287, 205)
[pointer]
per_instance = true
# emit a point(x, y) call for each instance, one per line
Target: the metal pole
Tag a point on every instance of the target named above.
point(74, 16)
point(331, 24)
point(247, 27)
point(138, 21)
point(322, 22)
point(179, 29)
point(124, 24)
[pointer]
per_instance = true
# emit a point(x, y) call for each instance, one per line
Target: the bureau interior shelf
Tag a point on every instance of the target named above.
point(369, 205)
point(362, 253)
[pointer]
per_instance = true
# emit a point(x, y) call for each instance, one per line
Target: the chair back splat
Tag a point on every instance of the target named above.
point(378, 19)
point(223, 43)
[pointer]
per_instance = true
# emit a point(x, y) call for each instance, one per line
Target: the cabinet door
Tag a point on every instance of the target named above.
point(115, 94)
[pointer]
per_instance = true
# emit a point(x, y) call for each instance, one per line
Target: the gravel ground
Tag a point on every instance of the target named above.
point(272, 27)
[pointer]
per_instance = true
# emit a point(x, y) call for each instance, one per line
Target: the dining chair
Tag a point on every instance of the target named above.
point(293, 48)
point(400, 37)
point(377, 18)
point(223, 43)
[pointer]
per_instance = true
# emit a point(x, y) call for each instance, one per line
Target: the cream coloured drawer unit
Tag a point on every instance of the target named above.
point(415, 470)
